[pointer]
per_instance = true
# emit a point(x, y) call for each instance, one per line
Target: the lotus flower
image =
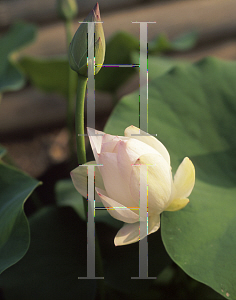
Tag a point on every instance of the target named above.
point(117, 180)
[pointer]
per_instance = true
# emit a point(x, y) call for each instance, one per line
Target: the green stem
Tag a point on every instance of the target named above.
point(70, 97)
point(69, 34)
point(81, 155)
point(79, 126)
point(79, 119)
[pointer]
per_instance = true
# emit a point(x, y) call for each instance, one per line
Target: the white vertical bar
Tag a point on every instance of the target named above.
point(143, 79)
point(143, 227)
point(91, 225)
point(91, 81)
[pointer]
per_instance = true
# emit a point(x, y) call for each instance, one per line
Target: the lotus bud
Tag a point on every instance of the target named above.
point(79, 45)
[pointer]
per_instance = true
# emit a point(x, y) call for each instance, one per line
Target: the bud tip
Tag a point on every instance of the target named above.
point(97, 11)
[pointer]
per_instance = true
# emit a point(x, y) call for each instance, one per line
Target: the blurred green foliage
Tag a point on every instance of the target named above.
point(51, 74)
point(19, 35)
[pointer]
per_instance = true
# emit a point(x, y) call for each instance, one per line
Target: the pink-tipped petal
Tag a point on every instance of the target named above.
point(115, 185)
point(117, 210)
point(95, 138)
point(129, 233)
point(128, 151)
point(109, 142)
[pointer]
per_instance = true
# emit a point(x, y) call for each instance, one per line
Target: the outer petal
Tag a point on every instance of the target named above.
point(149, 140)
point(184, 179)
point(123, 213)
point(101, 142)
point(134, 149)
point(177, 204)
point(109, 142)
point(127, 154)
point(159, 181)
point(79, 178)
point(124, 161)
point(115, 185)
point(95, 138)
point(129, 233)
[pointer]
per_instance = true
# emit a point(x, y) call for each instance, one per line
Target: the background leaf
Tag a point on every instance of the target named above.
point(49, 74)
point(183, 42)
point(192, 111)
point(15, 188)
point(55, 260)
point(3, 151)
point(19, 35)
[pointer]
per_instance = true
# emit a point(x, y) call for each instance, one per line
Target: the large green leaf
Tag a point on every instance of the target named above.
point(159, 65)
point(19, 35)
point(192, 110)
point(15, 188)
point(55, 260)
point(49, 74)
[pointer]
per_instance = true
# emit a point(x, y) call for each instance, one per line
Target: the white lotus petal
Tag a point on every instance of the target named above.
point(149, 140)
point(95, 138)
point(115, 185)
point(127, 154)
point(135, 148)
point(153, 223)
point(124, 162)
point(184, 179)
point(125, 159)
point(79, 178)
point(129, 233)
point(159, 181)
point(120, 212)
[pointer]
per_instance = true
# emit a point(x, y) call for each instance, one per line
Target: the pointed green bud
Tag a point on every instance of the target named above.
point(79, 47)
point(67, 9)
